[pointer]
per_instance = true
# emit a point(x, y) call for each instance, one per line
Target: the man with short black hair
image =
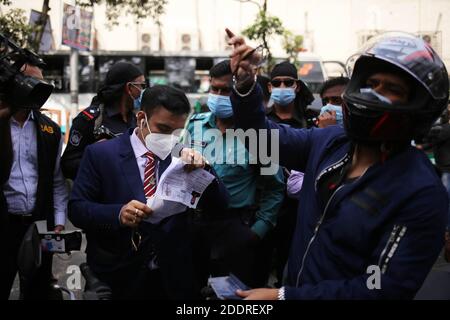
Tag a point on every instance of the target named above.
point(331, 94)
point(137, 259)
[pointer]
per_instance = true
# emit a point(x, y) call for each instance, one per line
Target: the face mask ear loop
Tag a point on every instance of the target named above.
point(129, 91)
point(142, 135)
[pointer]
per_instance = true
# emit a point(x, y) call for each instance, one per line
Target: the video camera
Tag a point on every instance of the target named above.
point(17, 89)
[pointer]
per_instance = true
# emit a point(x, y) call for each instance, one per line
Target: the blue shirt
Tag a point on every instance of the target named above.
point(20, 190)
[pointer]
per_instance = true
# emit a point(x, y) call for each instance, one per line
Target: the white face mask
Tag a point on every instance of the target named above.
point(159, 144)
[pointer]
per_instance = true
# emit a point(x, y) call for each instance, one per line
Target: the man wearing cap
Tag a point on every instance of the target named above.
point(110, 113)
point(290, 97)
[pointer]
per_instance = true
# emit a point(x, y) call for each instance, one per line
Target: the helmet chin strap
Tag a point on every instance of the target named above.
point(386, 148)
point(389, 148)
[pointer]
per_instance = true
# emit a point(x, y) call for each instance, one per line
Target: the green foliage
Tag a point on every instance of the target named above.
point(14, 25)
point(140, 9)
point(292, 44)
point(266, 27)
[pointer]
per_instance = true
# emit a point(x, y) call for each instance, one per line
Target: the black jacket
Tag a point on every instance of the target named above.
point(83, 133)
point(48, 139)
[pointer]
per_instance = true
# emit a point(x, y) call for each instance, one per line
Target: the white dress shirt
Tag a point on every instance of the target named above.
point(140, 150)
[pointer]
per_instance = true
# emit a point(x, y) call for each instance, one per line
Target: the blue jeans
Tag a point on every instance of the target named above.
point(446, 182)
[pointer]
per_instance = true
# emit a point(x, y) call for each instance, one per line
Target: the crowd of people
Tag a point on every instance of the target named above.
point(351, 190)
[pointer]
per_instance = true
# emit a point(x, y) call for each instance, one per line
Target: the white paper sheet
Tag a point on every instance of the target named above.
point(177, 190)
point(163, 209)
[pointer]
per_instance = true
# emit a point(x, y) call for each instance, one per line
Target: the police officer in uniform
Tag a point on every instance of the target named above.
point(235, 242)
point(110, 113)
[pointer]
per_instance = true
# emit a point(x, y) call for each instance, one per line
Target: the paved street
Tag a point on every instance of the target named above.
point(436, 286)
point(61, 262)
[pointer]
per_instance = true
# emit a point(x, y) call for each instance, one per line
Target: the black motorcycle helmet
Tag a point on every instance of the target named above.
point(371, 118)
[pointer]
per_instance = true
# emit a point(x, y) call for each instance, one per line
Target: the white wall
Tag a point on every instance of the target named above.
point(334, 24)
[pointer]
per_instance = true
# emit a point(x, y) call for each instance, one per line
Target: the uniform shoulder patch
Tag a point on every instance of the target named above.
point(90, 113)
point(75, 138)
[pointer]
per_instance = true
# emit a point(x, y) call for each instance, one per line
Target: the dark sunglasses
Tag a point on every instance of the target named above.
point(287, 83)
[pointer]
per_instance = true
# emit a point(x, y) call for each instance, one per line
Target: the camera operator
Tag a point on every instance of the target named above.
point(110, 113)
point(32, 184)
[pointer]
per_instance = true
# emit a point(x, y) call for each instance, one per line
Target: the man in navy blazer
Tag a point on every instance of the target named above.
point(137, 259)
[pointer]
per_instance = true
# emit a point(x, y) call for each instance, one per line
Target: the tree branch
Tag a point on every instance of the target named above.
point(250, 1)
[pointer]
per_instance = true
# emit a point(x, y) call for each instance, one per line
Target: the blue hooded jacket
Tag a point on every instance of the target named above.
point(392, 218)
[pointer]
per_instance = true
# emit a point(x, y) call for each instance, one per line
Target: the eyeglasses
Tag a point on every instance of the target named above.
point(139, 85)
point(336, 100)
point(288, 83)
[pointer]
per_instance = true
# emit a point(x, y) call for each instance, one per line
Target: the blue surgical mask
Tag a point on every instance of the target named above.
point(283, 96)
point(137, 101)
point(220, 106)
point(338, 109)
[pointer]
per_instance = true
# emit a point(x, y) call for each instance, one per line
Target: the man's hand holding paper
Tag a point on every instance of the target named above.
point(180, 186)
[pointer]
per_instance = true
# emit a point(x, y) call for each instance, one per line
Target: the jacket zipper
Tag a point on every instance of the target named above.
point(326, 170)
point(322, 217)
point(315, 233)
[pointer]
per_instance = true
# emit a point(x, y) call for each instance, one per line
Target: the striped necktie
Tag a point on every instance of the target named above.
point(149, 175)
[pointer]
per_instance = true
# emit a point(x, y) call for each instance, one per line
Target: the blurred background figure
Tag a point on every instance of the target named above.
point(331, 95)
